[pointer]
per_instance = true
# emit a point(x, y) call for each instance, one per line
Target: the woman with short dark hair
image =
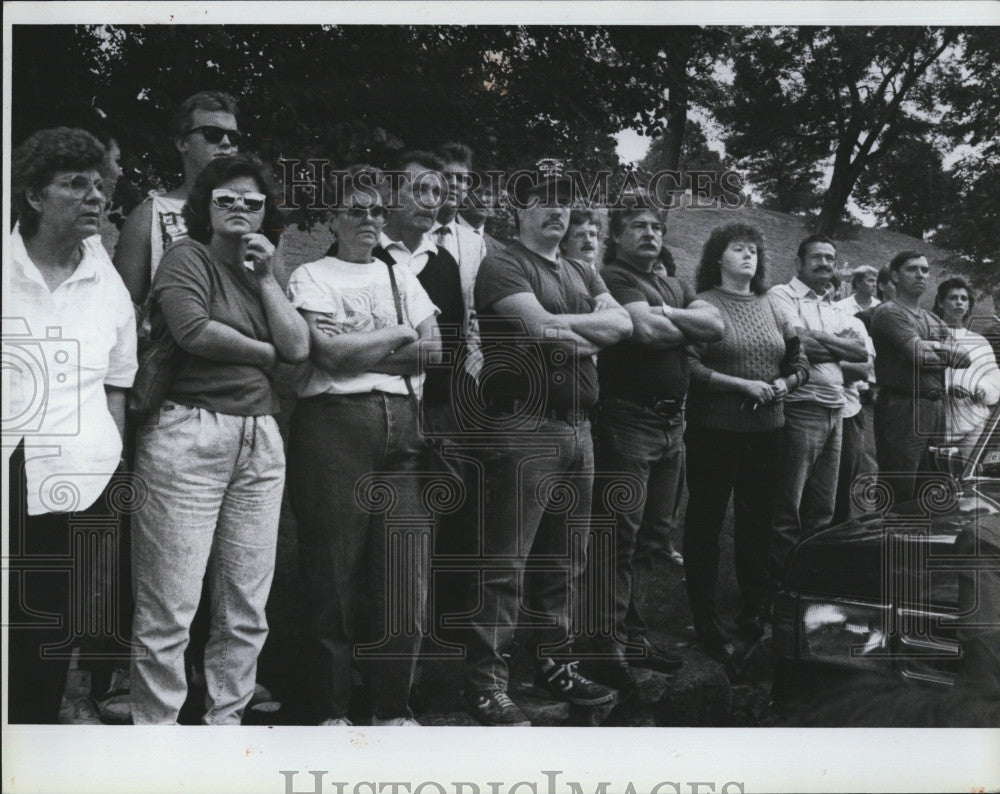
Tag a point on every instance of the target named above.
point(734, 421)
point(67, 401)
point(210, 456)
point(972, 391)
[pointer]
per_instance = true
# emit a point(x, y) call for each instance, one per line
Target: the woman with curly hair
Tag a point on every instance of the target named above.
point(972, 391)
point(211, 457)
point(67, 401)
point(734, 421)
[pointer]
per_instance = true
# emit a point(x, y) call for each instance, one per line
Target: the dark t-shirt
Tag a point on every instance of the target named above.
point(515, 366)
point(632, 370)
point(188, 291)
point(895, 331)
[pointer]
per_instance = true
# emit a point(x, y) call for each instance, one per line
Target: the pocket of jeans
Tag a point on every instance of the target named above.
point(170, 415)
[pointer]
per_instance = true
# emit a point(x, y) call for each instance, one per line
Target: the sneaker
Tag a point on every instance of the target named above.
point(396, 722)
point(336, 722)
point(78, 711)
point(565, 683)
point(654, 658)
point(115, 705)
point(494, 707)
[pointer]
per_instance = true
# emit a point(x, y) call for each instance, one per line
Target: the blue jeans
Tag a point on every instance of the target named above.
point(214, 485)
point(537, 519)
point(648, 447)
point(807, 475)
point(355, 481)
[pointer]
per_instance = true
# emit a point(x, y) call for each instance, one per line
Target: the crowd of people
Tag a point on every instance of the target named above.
point(485, 437)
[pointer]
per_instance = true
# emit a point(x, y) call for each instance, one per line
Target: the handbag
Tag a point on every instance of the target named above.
point(158, 368)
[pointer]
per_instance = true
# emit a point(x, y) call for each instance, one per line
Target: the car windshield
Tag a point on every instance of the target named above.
point(987, 453)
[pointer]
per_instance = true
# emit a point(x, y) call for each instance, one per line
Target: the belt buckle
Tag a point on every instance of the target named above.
point(667, 408)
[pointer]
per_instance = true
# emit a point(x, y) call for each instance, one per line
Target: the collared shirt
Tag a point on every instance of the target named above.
point(72, 341)
point(850, 305)
point(415, 260)
point(816, 313)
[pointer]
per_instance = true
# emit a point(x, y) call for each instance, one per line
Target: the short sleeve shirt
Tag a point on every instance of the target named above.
point(358, 299)
point(189, 290)
point(631, 370)
point(72, 342)
point(516, 367)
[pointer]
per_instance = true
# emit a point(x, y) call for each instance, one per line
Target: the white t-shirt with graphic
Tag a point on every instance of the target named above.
point(358, 298)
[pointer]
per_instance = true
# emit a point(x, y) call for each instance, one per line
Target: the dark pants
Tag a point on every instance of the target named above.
point(364, 542)
point(648, 449)
point(52, 595)
point(904, 428)
point(536, 523)
point(721, 463)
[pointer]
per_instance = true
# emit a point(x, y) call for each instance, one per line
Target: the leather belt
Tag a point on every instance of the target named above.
point(665, 408)
point(906, 394)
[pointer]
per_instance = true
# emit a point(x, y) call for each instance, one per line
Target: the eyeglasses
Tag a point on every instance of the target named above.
point(226, 199)
point(214, 134)
point(79, 186)
point(358, 213)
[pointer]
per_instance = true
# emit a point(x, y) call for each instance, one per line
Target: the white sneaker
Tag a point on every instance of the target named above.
point(401, 722)
point(336, 722)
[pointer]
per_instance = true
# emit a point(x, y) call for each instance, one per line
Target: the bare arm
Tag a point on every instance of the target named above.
point(700, 321)
point(608, 324)
point(544, 326)
point(289, 332)
point(352, 352)
point(132, 253)
point(116, 406)
point(651, 327)
point(410, 359)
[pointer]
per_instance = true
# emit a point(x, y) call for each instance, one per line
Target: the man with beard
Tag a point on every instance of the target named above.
point(542, 318)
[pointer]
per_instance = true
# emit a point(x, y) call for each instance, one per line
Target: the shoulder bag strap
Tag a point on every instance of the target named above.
point(399, 319)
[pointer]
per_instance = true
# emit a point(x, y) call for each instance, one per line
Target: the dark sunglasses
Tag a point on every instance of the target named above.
point(214, 134)
point(226, 199)
point(358, 214)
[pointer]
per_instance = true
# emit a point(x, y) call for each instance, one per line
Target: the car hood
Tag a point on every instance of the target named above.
point(856, 559)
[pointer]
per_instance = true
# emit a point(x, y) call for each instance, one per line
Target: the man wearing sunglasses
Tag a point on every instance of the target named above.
point(204, 128)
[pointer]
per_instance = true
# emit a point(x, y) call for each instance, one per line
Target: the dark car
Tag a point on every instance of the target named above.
point(911, 591)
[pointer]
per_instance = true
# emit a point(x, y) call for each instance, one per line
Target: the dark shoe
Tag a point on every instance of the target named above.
point(749, 628)
point(565, 683)
point(611, 669)
point(494, 707)
point(654, 658)
point(714, 642)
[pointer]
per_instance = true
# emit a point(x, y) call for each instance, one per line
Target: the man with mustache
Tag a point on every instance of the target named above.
point(811, 440)
point(542, 318)
point(913, 348)
point(644, 382)
point(582, 238)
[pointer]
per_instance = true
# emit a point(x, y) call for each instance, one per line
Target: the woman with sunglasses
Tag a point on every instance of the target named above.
point(211, 457)
point(372, 328)
point(69, 353)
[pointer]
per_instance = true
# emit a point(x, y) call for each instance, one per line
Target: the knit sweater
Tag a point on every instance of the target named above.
point(752, 347)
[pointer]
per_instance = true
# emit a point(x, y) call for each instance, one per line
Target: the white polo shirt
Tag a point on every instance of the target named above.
point(61, 348)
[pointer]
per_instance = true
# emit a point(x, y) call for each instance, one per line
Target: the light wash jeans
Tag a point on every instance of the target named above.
point(807, 476)
point(214, 485)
